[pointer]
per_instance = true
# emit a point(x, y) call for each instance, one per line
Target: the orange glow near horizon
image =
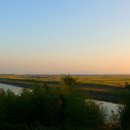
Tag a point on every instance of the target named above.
point(69, 36)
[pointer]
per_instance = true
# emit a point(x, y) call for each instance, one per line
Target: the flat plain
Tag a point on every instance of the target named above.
point(100, 87)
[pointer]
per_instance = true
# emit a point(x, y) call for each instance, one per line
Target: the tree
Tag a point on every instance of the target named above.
point(69, 81)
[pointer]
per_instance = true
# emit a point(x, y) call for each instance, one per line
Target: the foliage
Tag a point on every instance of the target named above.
point(125, 111)
point(70, 81)
point(49, 107)
point(127, 85)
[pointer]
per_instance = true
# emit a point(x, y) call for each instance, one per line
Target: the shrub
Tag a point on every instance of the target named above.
point(69, 81)
point(127, 85)
point(51, 107)
point(125, 111)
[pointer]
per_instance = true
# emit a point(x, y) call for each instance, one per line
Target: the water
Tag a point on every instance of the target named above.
point(111, 110)
point(11, 87)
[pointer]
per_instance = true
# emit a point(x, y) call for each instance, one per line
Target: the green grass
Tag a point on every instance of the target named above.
point(110, 85)
point(114, 80)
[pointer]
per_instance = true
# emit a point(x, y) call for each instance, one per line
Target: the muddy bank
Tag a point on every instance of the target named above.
point(26, 83)
point(108, 97)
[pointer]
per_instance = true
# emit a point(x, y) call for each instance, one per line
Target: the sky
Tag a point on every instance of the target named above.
point(64, 36)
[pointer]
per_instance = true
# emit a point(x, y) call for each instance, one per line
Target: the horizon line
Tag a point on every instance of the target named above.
point(60, 74)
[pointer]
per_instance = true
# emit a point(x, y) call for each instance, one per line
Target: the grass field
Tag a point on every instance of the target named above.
point(114, 80)
point(102, 87)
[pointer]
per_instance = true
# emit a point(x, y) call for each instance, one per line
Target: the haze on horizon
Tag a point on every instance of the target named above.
point(65, 36)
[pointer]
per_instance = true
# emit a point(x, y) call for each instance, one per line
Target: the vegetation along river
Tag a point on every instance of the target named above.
point(108, 106)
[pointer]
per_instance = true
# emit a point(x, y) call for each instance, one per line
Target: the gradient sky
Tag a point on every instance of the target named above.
point(65, 36)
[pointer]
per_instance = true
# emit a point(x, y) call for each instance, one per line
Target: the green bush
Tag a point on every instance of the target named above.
point(125, 111)
point(127, 85)
point(69, 81)
point(49, 107)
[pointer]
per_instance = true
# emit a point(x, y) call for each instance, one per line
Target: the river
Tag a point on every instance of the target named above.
point(11, 87)
point(110, 109)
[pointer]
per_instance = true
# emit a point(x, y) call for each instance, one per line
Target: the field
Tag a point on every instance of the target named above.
point(101, 87)
point(55, 101)
point(114, 80)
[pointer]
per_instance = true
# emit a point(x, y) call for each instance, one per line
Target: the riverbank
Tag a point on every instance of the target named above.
point(26, 83)
point(17, 83)
point(95, 91)
point(107, 97)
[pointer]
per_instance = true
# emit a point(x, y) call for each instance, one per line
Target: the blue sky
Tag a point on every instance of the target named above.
point(65, 36)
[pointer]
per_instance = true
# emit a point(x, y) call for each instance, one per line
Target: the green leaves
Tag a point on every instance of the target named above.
point(49, 107)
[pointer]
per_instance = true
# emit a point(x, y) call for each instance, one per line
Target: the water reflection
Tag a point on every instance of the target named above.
point(111, 109)
point(11, 87)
